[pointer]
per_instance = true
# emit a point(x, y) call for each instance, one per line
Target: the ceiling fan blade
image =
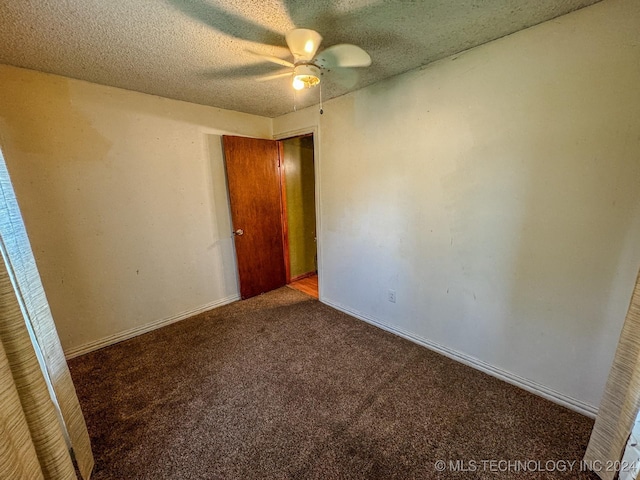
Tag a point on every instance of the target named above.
point(343, 55)
point(346, 77)
point(266, 78)
point(272, 59)
point(303, 43)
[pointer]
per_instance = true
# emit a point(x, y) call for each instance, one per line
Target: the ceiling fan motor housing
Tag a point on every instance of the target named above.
point(307, 74)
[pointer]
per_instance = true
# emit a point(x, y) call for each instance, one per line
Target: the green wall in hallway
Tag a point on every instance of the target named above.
point(301, 208)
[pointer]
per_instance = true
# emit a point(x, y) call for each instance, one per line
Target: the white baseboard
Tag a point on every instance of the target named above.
point(134, 332)
point(528, 385)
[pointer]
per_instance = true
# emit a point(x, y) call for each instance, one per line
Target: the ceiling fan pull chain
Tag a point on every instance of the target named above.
point(321, 111)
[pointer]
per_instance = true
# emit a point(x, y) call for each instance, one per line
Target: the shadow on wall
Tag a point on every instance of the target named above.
point(118, 190)
point(32, 122)
point(221, 226)
point(581, 211)
point(542, 226)
point(53, 141)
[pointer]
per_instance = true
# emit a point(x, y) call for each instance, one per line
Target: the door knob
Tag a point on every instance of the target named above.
point(239, 232)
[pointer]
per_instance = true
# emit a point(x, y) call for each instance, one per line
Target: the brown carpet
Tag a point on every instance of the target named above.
point(284, 387)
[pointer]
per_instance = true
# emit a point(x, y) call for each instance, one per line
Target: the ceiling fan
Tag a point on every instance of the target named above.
point(307, 67)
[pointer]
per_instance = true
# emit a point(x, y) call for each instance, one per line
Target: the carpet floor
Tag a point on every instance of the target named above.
point(283, 387)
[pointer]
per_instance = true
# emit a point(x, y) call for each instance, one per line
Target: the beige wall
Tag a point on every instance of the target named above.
point(124, 199)
point(301, 204)
point(498, 193)
point(495, 191)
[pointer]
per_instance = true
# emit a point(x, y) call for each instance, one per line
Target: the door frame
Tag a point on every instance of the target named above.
point(283, 213)
point(314, 132)
point(283, 199)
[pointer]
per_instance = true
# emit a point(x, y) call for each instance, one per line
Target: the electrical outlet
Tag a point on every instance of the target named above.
point(391, 296)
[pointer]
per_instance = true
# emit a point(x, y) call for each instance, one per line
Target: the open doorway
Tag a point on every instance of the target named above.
point(271, 185)
point(299, 218)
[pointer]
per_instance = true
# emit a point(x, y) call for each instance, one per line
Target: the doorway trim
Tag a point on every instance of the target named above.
point(314, 131)
point(285, 218)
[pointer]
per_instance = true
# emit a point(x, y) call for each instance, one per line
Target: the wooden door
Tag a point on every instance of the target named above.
point(253, 176)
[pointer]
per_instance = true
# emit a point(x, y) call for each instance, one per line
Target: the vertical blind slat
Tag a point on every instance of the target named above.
point(621, 399)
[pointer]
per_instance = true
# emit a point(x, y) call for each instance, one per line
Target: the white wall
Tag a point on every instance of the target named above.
point(498, 193)
point(125, 202)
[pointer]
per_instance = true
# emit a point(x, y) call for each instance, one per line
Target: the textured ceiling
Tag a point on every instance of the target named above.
point(195, 50)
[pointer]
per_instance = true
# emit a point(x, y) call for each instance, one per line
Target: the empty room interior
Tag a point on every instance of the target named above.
point(329, 239)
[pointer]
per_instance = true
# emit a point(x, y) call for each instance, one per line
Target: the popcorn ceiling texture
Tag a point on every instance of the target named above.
point(195, 50)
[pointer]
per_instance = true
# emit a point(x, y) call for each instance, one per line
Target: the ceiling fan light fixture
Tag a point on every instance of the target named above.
point(305, 76)
point(309, 47)
point(308, 67)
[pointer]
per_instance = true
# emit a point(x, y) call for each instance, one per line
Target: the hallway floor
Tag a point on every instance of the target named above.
point(308, 285)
